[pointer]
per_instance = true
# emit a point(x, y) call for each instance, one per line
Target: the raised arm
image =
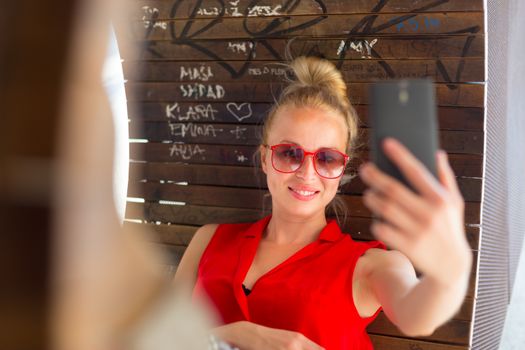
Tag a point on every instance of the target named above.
point(416, 306)
point(428, 231)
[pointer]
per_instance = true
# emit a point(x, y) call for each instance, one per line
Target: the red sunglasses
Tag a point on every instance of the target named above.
point(328, 163)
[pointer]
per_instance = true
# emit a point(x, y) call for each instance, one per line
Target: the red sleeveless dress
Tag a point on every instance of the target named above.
point(310, 292)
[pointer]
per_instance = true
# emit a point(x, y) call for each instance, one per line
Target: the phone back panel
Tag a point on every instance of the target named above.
point(405, 110)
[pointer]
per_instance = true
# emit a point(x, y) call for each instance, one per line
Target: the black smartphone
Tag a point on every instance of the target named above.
point(405, 110)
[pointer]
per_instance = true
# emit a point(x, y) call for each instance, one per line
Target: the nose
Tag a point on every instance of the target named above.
point(307, 170)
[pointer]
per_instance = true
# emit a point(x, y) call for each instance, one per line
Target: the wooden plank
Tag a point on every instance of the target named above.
point(232, 197)
point(456, 70)
point(382, 342)
point(449, 118)
point(465, 95)
point(463, 165)
point(358, 228)
point(355, 48)
point(161, 9)
point(324, 25)
point(236, 176)
point(453, 331)
point(189, 215)
point(470, 142)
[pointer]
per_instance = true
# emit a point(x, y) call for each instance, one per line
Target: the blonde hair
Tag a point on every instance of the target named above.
point(317, 83)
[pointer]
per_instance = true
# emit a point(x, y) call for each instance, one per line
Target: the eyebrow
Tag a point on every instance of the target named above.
point(295, 143)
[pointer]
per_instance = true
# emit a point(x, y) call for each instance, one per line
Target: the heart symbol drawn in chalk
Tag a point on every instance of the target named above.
point(235, 109)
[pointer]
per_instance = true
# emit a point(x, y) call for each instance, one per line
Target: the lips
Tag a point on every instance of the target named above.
point(303, 193)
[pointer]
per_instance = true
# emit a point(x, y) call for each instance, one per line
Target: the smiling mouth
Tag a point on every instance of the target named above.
point(304, 193)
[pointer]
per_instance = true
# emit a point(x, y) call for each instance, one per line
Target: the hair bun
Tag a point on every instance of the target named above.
point(317, 73)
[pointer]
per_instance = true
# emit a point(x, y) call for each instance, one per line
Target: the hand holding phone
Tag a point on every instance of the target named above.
point(406, 111)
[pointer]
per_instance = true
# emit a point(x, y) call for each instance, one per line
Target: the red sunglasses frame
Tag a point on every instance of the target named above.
point(306, 153)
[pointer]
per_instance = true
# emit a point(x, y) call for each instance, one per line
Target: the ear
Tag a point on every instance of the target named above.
point(263, 152)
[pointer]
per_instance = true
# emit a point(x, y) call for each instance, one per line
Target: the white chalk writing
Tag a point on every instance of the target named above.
point(266, 70)
point(240, 47)
point(240, 112)
point(201, 90)
point(193, 130)
point(194, 113)
point(202, 73)
point(364, 47)
point(149, 14)
point(238, 132)
point(233, 10)
point(264, 11)
point(186, 152)
point(240, 156)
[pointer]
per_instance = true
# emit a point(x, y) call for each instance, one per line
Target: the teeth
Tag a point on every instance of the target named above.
point(304, 193)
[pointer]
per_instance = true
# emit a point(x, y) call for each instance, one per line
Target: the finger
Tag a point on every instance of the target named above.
point(389, 187)
point(390, 236)
point(391, 212)
point(445, 172)
point(413, 170)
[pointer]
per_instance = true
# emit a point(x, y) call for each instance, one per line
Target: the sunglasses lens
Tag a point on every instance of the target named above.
point(287, 158)
point(330, 163)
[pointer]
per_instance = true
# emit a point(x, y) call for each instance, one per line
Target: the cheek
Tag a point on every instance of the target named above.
point(330, 188)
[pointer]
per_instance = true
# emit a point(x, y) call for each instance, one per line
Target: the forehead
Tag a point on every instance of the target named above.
point(309, 127)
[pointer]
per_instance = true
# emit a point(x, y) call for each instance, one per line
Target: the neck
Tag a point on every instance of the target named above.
point(285, 230)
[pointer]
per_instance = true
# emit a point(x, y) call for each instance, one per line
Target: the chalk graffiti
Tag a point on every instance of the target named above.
point(150, 13)
point(266, 70)
point(202, 73)
point(364, 47)
point(184, 32)
point(241, 47)
point(193, 130)
point(240, 156)
point(197, 91)
point(193, 112)
point(264, 10)
point(238, 132)
point(186, 152)
point(240, 112)
point(233, 10)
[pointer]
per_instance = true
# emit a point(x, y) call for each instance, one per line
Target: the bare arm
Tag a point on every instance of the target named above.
point(187, 270)
point(427, 230)
point(416, 306)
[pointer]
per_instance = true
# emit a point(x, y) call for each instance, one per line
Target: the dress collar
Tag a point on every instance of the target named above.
point(331, 232)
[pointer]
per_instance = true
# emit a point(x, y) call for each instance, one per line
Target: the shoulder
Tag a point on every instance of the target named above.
point(203, 235)
point(189, 264)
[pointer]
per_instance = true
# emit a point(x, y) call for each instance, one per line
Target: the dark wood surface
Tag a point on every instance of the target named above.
point(202, 77)
point(237, 176)
point(465, 95)
point(449, 118)
point(354, 48)
point(161, 9)
point(468, 165)
point(320, 25)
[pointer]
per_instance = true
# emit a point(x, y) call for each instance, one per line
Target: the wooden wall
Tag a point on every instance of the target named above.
point(201, 76)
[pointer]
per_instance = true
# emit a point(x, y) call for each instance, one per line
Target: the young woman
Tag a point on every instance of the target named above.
point(292, 280)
